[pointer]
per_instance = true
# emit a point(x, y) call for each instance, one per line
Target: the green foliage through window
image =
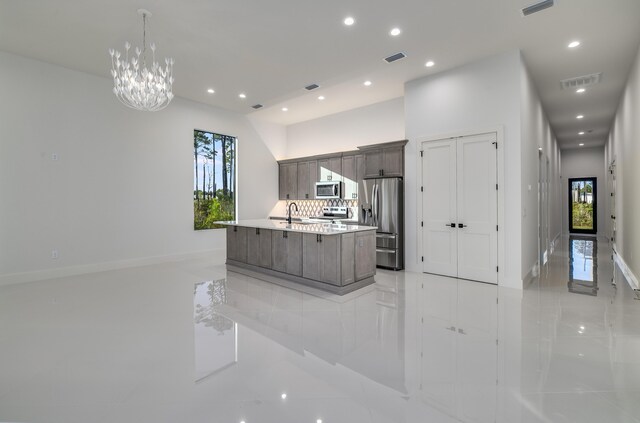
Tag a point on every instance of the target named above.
point(214, 182)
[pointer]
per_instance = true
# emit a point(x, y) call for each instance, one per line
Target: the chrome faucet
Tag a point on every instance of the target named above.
point(289, 217)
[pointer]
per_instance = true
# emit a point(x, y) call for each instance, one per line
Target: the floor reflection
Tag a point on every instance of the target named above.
point(583, 265)
point(430, 345)
point(215, 336)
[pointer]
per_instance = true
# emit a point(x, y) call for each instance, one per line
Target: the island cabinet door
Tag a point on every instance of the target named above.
point(286, 252)
point(348, 258)
point(294, 253)
point(279, 251)
point(329, 258)
point(259, 247)
point(310, 256)
point(365, 254)
point(237, 243)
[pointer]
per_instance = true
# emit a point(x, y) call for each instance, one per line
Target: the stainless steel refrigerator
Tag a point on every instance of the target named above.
point(382, 205)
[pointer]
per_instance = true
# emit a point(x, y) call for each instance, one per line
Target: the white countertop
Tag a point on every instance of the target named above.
point(300, 226)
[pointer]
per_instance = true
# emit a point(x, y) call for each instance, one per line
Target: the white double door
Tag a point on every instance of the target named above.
point(460, 207)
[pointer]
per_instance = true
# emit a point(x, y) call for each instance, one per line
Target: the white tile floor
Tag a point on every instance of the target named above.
point(122, 346)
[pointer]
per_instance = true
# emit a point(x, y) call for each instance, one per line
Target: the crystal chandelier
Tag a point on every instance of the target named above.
point(135, 85)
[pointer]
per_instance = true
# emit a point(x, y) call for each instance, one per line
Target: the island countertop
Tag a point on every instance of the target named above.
point(303, 226)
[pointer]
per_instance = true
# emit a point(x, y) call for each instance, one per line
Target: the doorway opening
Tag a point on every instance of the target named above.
point(583, 212)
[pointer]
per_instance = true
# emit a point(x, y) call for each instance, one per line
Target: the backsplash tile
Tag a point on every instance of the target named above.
point(310, 208)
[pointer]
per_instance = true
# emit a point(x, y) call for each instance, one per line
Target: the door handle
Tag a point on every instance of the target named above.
point(460, 225)
point(450, 225)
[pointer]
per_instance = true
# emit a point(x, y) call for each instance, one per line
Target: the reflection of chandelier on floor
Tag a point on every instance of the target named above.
point(135, 85)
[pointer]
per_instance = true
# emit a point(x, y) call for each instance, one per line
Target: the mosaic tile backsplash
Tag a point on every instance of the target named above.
point(309, 208)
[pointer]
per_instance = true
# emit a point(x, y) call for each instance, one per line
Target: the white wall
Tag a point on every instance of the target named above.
point(381, 122)
point(624, 148)
point(537, 138)
point(476, 97)
point(121, 190)
point(579, 163)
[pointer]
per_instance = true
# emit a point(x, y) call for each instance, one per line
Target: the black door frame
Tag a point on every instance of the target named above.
point(593, 231)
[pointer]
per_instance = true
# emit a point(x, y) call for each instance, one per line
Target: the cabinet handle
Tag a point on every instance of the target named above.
point(257, 231)
point(235, 229)
point(381, 172)
point(320, 237)
point(306, 196)
point(460, 225)
point(284, 234)
point(287, 196)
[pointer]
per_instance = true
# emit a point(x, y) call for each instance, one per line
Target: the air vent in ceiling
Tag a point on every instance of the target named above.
point(257, 106)
point(537, 7)
point(311, 87)
point(581, 81)
point(395, 57)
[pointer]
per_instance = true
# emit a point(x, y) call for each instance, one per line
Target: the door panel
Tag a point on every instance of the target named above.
point(439, 207)
point(477, 208)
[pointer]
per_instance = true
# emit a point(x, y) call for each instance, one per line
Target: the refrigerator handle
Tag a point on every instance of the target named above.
point(376, 207)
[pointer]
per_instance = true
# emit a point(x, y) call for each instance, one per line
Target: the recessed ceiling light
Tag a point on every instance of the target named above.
point(581, 90)
point(581, 144)
point(395, 32)
point(211, 91)
point(319, 421)
point(284, 109)
point(284, 395)
point(348, 21)
point(430, 63)
point(321, 98)
point(242, 95)
point(367, 83)
point(539, 148)
point(579, 117)
point(574, 44)
point(581, 133)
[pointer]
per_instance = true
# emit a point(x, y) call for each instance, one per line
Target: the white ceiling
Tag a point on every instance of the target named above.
point(271, 49)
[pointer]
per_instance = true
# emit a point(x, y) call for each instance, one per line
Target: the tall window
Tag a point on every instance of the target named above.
point(214, 180)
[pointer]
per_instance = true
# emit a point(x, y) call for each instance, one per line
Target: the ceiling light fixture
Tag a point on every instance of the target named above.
point(430, 63)
point(581, 90)
point(242, 95)
point(574, 44)
point(395, 32)
point(581, 144)
point(348, 21)
point(211, 91)
point(284, 395)
point(321, 98)
point(367, 83)
point(579, 117)
point(284, 109)
point(581, 133)
point(135, 85)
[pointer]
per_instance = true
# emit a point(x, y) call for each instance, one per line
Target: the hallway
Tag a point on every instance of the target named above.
point(187, 341)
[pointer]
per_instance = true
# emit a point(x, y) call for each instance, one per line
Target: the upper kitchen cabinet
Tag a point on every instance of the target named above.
point(353, 170)
point(330, 168)
point(384, 159)
point(307, 175)
point(288, 181)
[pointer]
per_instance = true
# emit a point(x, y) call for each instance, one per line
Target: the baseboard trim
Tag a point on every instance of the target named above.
point(632, 280)
point(218, 257)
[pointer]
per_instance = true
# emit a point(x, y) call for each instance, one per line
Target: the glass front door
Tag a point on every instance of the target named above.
point(582, 205)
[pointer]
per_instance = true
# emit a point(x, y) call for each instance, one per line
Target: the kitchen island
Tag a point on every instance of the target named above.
point(334, 257)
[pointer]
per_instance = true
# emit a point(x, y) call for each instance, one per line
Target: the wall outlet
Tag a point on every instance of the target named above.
point(54, 254)
point(54, 156)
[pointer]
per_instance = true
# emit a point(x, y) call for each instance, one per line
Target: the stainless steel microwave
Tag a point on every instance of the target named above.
point(329, 189)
